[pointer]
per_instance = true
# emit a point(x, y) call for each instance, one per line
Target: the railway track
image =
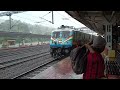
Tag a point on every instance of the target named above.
point(23, 54)
point(17, 71)
point(30, 66)
point(21, 60)
point(20, 76)
point(14, 69)
point(38, 69)
point(21, 67)
point(17, 51)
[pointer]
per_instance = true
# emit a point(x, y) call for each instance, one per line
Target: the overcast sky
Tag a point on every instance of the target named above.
point(33, 17)
point(60, 18)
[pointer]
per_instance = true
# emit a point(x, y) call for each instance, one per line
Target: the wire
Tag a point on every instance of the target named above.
point(46, 14)
point(63, 15)
point(40, 22)
point(41, 17)
point(45, 19)
point(74, 22)
point(48, 20)
point(66, 17)
point(26, 18)
point(32, 20)
point(29, 20)
point(14, 25)
point(31, 15)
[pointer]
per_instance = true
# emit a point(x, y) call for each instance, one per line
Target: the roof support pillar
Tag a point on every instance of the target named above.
point(108, 35)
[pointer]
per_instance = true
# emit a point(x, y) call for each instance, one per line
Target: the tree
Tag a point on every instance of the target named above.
point(18, 26)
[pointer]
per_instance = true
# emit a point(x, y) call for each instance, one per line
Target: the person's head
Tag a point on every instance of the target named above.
point(99, 44)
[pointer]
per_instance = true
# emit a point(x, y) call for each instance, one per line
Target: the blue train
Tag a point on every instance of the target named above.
point(65, 39)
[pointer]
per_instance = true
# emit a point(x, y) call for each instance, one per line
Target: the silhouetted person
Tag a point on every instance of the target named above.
point(95, 62)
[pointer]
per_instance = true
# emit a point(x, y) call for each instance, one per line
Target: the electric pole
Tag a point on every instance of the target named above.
point(52, 18)
point(9, 13)
point(10, 21)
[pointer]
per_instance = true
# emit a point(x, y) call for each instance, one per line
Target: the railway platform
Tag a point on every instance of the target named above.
point(61, 70)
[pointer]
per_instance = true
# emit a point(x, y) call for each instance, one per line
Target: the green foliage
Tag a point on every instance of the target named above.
point(18, 26)
point(39, 29)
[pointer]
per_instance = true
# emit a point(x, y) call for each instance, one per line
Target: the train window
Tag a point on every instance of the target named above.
point(81, 36)
point(75, 35)
point(65, 34)
point(56, 34)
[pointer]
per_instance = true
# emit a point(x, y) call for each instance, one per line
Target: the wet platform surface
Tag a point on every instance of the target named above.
point(61, 70)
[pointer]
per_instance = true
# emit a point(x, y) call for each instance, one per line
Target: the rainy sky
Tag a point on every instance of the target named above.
point(44, 18)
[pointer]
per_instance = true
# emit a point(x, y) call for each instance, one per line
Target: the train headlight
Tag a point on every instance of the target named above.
point(60, 41)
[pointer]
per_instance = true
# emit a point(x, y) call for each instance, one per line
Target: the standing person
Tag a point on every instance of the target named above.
point(95, 62)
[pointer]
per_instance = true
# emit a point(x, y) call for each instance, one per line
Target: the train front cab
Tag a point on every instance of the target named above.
point(61, 43)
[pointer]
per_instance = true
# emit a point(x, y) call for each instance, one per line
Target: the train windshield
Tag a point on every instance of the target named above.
point(56, 35)
point(65, 34)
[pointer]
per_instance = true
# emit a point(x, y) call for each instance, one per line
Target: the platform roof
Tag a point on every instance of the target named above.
point(95, 20)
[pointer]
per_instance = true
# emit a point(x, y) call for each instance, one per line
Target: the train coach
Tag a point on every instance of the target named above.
point(63, 40)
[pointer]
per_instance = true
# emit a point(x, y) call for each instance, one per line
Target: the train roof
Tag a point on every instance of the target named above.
point(67, 29)
point(64, 29)
point(71, 29)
